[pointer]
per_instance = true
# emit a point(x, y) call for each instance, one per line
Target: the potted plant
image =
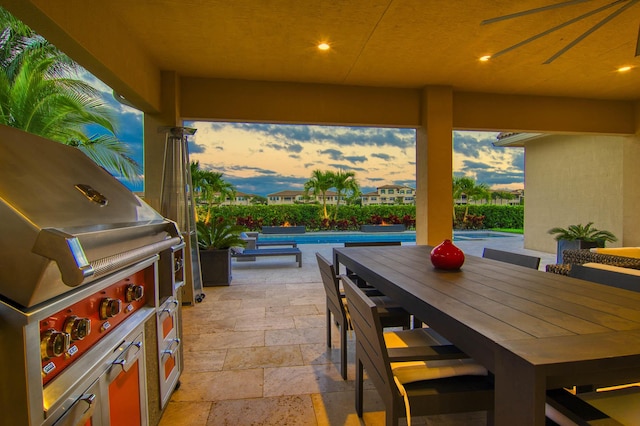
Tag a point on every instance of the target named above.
point(215, 239)
point(580, 237)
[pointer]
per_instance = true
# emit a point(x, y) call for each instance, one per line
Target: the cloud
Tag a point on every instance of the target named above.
point(518, 159)
point(334, 154)
point(411, 183)
point(263, 185)
point(195, 148)
point(382, 156)
point(289, 147)
point(236, 168)
point(475, 165)
point(342, 135)
point(495, 178)
point(346, 167)
point(354, 159)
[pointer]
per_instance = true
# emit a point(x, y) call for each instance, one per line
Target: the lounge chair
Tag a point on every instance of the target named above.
point(267, 243)
point(254, 243)
point(245, 254)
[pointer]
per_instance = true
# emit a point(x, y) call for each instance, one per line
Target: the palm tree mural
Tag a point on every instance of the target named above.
point(319, 184)
point(40, 94)
point(344, 183)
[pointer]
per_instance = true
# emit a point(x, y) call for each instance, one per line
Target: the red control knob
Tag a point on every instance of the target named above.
point(54, 343)
point(133, 293)
point(110, 308)
point(78, 328)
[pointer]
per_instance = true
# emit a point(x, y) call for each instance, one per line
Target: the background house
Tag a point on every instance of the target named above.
point(390, 194)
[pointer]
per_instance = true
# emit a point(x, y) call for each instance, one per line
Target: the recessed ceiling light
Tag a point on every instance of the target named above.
point(324, 46)
point(485, 58)
point(624, 69)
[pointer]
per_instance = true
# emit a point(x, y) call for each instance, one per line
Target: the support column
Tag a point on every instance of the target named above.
point(434, 166)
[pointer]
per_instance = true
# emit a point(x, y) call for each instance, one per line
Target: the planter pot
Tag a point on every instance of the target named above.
point(216, 267)
point(572, 245)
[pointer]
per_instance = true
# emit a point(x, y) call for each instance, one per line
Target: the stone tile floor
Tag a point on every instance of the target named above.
point(255, 352)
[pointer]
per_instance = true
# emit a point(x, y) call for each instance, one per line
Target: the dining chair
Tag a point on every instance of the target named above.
point(363, 244)
point(513, 258)
point(391, 314)
point(427, 379)
point(563, 408)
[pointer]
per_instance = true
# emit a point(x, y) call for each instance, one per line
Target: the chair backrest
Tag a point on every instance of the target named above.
point(331, 286)
point(371, 243)
point(603, 276)
point(370, 346)
point(513, 258)
point(365, 244)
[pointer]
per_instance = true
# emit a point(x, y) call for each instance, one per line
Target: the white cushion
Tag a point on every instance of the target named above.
point(415, 371)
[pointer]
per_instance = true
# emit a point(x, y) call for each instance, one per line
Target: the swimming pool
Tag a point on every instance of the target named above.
point(339, 237)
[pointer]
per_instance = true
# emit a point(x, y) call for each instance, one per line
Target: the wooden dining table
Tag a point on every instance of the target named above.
point(532, 329)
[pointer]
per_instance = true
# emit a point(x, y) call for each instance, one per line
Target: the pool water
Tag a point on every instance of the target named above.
point(338, 237)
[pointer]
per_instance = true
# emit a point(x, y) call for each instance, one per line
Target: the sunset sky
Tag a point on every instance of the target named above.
point(267, 158)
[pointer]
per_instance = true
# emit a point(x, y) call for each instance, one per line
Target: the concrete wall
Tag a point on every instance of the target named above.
point(573, 179)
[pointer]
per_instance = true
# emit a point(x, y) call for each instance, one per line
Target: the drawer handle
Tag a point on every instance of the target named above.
point(170, 310)
point(171, 351)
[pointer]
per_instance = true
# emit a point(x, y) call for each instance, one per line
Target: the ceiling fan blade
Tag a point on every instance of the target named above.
point(638, 43)
point(530, 11)
point(556, 28)
point(591, 30)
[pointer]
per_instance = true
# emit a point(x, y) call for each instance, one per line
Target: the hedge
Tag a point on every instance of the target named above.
point(351, 217)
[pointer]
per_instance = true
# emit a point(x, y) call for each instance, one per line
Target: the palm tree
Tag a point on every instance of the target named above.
point(209, 186)
point(461, 185)
point(502, 195)
point(479, 192)
point(344, 183)
point(319, 184)
point(39, 94)
point(474, 192)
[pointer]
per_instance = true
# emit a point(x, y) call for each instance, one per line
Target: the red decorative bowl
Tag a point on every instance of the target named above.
point(447, 256)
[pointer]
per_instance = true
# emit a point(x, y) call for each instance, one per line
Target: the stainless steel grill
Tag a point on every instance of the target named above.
point(81, 276)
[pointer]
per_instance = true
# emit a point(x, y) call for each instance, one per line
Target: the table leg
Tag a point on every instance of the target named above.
point(520, 392)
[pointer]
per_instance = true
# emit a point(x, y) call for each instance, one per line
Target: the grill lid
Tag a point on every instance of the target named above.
point(65, 221)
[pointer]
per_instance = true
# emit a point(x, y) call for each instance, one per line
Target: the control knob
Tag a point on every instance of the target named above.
point(133, 293)
point(78, 328)
point(54, 343)
point(110, 308)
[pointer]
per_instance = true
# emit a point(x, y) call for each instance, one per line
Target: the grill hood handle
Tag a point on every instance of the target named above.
point(66, 250)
